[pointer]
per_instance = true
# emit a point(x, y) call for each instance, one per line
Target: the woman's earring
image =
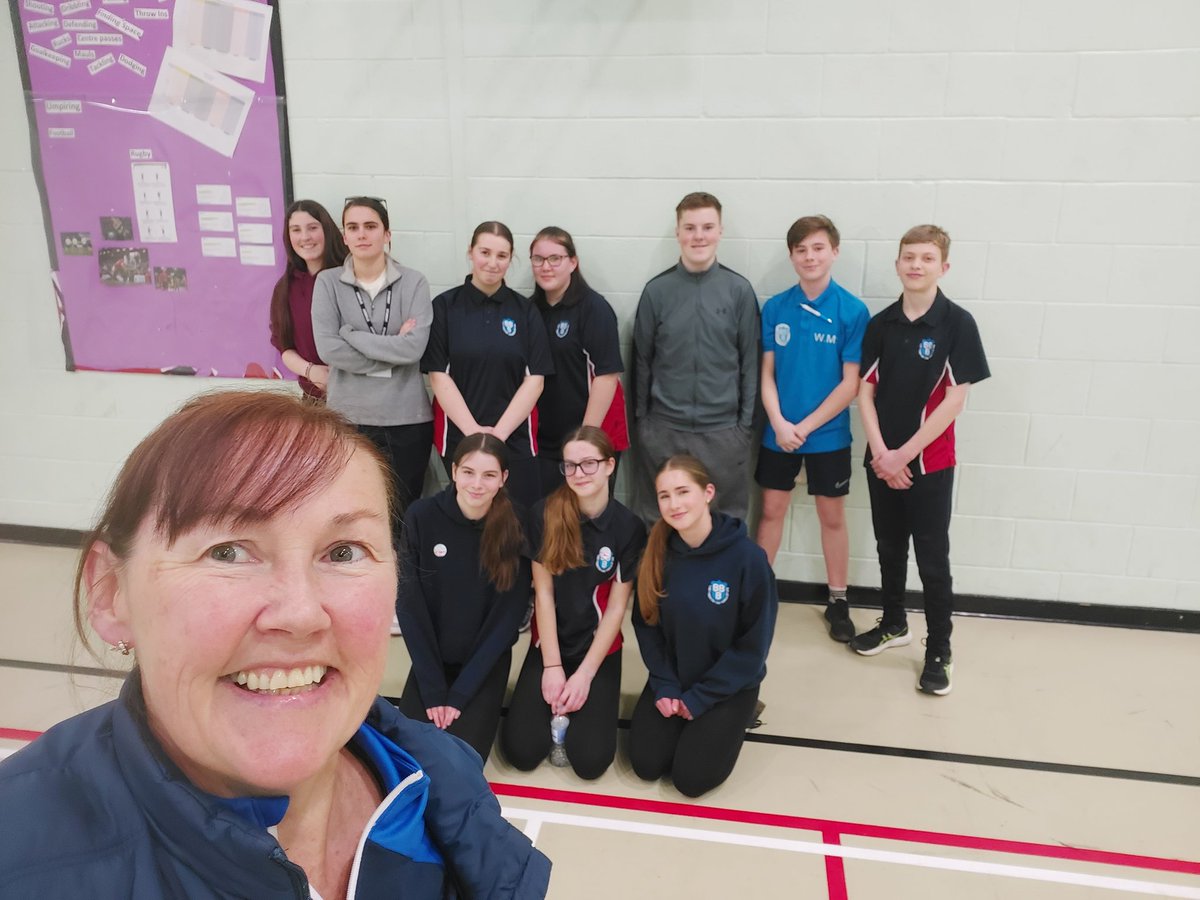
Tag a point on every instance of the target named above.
point(123, 647)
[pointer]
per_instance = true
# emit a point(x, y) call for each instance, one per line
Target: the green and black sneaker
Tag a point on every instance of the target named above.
point(880, 638)
point(935, 678)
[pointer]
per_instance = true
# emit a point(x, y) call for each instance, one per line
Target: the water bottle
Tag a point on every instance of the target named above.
point(558, 737)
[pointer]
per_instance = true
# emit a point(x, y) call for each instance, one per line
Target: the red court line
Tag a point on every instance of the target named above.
point(828, 826)
point(16, 734)
point(835, 870)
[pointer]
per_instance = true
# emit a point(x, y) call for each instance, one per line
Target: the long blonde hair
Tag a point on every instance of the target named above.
point(650, 572)
point(562, 539)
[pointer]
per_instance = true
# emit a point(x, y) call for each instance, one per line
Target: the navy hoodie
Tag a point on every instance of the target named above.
point(715, 622)
point(452, 616)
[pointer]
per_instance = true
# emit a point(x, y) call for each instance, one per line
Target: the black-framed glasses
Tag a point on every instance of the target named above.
point(587, 466)
point(553, 261)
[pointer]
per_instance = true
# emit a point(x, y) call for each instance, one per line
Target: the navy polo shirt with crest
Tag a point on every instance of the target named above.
point(612, 547)
point(487, 345)
point(912, 363)
point(584, 343)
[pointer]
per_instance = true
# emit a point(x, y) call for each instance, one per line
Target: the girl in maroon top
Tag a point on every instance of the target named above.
point(312, 244)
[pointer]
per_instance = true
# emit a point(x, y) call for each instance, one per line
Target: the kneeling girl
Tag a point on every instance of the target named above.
point(464, 587)
point(586, 549)
point(704, 620)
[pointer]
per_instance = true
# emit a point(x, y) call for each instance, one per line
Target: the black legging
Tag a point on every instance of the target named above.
point(592, 735)
point(478, 720)
point(406, 448)
point(700, 754)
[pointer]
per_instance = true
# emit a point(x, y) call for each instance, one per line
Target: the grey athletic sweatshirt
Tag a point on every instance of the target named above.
point(374, 378)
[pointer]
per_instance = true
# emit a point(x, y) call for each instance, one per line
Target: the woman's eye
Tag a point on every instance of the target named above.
point(345, 553)
point(228, 553)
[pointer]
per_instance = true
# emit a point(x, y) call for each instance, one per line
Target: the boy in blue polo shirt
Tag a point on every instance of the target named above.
point(812, 345)
point(921, 356)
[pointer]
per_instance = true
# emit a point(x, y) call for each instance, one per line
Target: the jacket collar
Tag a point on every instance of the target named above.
point(391, 268)
point(447, 502)
point(686, 273)
point(208, 832)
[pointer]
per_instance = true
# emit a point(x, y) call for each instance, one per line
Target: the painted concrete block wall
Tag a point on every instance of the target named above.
point(1059, 143)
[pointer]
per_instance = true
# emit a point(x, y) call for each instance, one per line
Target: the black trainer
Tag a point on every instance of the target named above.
point(880, 638)
point(837, 614)
point(935, 678)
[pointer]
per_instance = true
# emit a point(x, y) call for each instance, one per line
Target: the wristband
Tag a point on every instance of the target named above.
point(307, 372)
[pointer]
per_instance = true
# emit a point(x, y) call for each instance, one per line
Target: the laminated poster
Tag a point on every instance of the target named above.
point(160, 146)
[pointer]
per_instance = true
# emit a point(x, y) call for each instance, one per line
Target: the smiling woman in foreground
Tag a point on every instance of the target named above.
point(245, 557)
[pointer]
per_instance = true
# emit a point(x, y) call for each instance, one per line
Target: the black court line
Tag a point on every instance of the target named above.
point(782, 740)
point(971, 759)
point(1002, 762)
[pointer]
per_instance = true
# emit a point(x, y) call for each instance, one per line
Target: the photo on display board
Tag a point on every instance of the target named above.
point(76, 243)
point(116, 228)
point(124, 266)
point(169, 278)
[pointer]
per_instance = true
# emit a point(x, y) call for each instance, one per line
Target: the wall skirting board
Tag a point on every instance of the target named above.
point(1151, 618)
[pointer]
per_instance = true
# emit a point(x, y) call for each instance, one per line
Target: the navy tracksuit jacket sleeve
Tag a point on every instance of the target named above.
point(663, 680)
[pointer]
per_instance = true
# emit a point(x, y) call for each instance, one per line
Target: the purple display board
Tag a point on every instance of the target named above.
point(160, 141)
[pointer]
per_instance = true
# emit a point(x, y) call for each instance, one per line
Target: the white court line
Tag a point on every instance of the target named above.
point(1029, 873)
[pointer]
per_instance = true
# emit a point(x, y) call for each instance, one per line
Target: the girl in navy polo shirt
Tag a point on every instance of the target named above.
point(581, 329)
point(464, 586)
point(487, 361)
point(586, 548)
point(312, 243)
point(704, 620)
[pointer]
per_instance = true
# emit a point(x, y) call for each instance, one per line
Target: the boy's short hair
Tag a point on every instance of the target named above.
point(697, 200)
point(928, 234)
point(807, 225)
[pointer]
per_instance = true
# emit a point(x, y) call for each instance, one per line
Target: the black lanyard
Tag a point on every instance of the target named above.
point(387, 309)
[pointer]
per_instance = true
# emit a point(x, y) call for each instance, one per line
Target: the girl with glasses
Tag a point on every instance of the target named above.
point(704, 620)
point(311, 244)
point(371, 319)
point(586, 547)
point(464, 586)
point(487, 361)
point(582, 331)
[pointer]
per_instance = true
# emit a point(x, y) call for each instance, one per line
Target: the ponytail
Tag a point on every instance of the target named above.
point(650, 572)
point(500, 546)
point(562, 538)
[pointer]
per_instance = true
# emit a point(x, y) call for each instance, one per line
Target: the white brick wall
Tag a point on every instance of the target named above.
point(1058, 142)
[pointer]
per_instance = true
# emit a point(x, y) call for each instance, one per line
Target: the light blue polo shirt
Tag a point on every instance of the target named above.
point(810, 346)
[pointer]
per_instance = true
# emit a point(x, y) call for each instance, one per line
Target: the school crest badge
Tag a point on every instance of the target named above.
point(604, 560)
point(718, 591)
point(561, 329)
point(509, 326)
point(783, 334)
point(926, 347)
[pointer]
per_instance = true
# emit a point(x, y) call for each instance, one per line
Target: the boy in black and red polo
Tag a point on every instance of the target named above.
point(920, 357)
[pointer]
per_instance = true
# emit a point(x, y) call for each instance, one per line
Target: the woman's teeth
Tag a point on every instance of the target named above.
point(281, 682)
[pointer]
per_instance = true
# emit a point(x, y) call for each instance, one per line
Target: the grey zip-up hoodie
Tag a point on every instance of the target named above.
point(696, 340)
point(374, 379)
